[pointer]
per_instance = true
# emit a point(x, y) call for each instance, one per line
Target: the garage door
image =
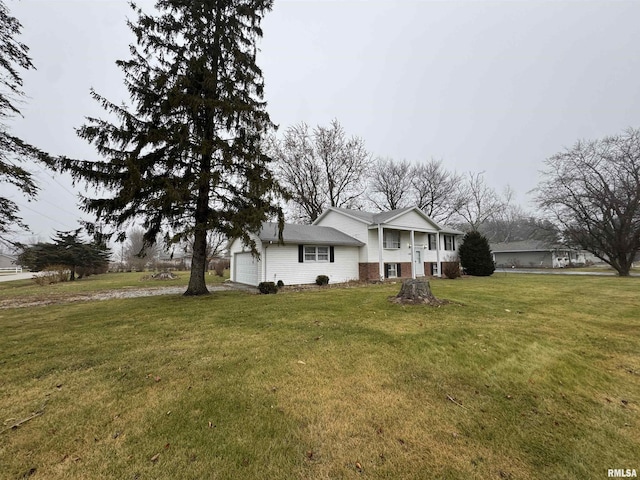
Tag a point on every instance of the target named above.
point(247, 269)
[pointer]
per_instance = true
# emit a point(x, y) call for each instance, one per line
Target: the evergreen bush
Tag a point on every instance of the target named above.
point(267, 288)
point(322, 280)
point(475, 255)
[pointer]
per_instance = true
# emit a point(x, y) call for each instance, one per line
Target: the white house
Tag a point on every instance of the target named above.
point(347, 245)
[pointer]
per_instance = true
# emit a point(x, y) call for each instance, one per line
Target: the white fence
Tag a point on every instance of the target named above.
point(10, 270)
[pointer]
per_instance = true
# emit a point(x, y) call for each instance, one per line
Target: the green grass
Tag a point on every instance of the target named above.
point(522, 377)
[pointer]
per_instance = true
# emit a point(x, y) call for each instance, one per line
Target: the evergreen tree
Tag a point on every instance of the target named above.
point(81, 257)
point(475, 255)
point(188, 157)
point(13, 151)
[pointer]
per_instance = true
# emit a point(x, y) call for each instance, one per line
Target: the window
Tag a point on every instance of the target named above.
point(449, 242)
point(316, 254)
point(391, 270)
point(391, 239)
point(432, 242)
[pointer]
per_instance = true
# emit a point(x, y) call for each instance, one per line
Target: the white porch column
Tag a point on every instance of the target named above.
point(438, 262)
point(380, 261)
point(263, 257)
point(412, 239)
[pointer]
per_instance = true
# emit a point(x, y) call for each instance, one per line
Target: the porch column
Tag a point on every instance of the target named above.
point(380, 261)
point(263, 257)
point(438, 262)
point(412, 239)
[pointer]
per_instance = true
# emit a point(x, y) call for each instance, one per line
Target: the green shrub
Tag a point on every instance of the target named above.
point(267, 287)
point(322, 280)
point(280, 284)
point(475, 255)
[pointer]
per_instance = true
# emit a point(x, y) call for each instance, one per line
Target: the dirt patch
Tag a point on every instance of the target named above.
point(99, 296)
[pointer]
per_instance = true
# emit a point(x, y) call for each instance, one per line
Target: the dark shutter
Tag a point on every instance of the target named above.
point(332, 255)
point(386, 270)
point(398, 270)
point(300, 253)
point(453, 242)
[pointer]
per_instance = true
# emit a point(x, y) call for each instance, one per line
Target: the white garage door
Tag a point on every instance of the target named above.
point(247, 269)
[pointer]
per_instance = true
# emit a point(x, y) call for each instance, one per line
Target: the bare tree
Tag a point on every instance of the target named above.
point(137, 252)
point(436, 191)
point(592, 191)
point(321, 168)
point(480, 202)
point(216, 245)
point(390, 184)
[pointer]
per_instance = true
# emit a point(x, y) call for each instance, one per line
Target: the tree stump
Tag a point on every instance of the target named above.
point(417, 292)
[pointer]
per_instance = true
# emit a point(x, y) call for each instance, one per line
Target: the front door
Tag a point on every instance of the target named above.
point(418, 264)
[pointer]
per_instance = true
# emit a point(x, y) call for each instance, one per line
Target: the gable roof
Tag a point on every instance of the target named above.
point(306, 234)
point(372, 219)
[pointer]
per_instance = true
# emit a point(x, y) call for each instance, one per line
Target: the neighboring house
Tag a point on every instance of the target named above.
point(347, 245)
point(9, 263)
point(535, 254)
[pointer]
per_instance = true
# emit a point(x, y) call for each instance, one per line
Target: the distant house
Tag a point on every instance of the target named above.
point(9, 262)
point(536, 254)
point(347, 245)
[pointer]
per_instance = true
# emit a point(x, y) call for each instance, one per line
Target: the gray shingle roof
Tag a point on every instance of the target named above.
point(307, 234)
point(524, 246)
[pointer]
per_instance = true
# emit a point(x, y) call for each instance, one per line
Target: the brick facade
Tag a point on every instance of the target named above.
point(369, 272)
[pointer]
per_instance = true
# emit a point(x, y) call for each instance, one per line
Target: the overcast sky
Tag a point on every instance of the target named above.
point(483, 86)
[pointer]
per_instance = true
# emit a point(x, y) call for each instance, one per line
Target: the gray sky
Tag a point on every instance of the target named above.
point(483, 86)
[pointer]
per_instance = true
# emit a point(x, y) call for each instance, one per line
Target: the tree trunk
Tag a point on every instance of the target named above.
point(197, 284)
point(417, 292)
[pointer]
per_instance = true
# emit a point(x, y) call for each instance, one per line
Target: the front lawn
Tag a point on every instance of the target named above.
point(520, 377)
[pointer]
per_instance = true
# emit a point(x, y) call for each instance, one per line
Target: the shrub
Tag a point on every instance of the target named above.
point(280, 284)
point(267, 287)
point(475, 255)
point(53, 274)
point(451, 269)
point(220, 265)
point(322, 280)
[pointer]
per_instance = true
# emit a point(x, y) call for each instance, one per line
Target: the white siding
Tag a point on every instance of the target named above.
point(411, 220)
point(350, 226)
point(282, 264)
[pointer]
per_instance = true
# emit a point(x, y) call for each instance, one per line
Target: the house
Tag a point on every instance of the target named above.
point(347, 245)
point(8, 263)
point(536, 254)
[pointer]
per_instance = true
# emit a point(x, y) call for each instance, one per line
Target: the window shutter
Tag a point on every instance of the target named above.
point(332, 255)
point(398, 270)
point(300, 253)
point(386, 270)
point(453, 242)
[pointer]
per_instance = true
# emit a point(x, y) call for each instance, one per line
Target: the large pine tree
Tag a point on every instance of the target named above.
point(188, 157)
point(14, 57)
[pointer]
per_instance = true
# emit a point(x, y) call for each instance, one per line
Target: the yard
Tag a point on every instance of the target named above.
point(520, 377)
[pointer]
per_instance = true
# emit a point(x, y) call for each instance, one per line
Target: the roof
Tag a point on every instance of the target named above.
point(384, 217)
point(525, 246)
point(307, 234)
